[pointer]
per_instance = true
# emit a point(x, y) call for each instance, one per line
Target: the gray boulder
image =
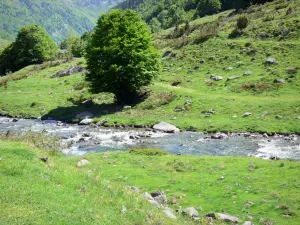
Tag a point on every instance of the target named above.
point(169, 213)
point(278, 117)
point(227, 218)
point(86, 122)
point(191, 212)
point(166, 127)
point(135, 189)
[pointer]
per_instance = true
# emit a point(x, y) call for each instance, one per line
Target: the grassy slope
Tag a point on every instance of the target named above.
point(256, 93)
point(60, 193)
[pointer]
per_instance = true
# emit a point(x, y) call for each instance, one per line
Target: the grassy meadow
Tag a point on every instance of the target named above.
point(184, 93)
point(59, 192)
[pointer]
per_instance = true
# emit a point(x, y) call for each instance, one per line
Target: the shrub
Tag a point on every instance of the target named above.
point(242, 22)
point(79, 86)
point(148, 152)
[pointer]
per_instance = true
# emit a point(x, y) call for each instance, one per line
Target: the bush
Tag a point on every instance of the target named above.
point(32, 46)
point(242, 22)
point(121, 57)
point(148, 152)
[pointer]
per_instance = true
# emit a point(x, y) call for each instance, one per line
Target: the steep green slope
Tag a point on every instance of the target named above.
point(61, 19)
point(185, 93)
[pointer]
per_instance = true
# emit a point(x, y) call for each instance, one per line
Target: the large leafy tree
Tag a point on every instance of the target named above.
point(32, 45)
point(121, 57)
point(208, 7)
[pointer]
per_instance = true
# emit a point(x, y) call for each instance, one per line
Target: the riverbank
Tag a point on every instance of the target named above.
point(81, 139)
point(248, 188)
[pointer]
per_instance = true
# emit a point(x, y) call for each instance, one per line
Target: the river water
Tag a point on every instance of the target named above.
point(79, 140)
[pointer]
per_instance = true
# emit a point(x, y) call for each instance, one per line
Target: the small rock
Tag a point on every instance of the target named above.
point(86, 122)
point(278, 117)
point(101, 123)
point(44, 159)
point(275, 158)
point(227, 218)
point(246, 114)
point(124, 210)
point(279, 81)
point(146, 195)
point(160, 197)
point(211, 215)
point(233, 78)
point(135, 189)
point(83, 162)
point(169, 213)
point(265, 135)
point(202, 61)
point(270, 61)
point(216, 78)
point(247, 73)
point(191, 212)
point(212, 58)
point(234, 117)
point(248, 223)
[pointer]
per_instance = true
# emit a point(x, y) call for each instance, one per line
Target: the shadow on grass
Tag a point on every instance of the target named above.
point(76, 113)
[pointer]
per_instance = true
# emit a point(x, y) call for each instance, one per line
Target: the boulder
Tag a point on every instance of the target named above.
point(212, 58)
point(68, 72)
point(216, 78)
point(86, 122)
point(270, 61)
point(278, 117)
point(169, 213)
point(227, 218)
point(246, 114)
point(101, 122)
point(191, 212)
point(83, 162)
point(166, 127)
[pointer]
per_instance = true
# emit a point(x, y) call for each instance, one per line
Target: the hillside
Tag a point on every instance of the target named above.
point(61, 19)
point(209, 81)
point(3, 43)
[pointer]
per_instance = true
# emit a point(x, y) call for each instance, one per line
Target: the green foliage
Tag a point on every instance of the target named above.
point(155, 25)
point(208, 7)
point(121, 57)
point(33, 45)
point(75, 46)
point(148, 152)
point(242, 22)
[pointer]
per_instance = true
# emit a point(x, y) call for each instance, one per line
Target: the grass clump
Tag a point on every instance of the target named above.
point(242, 22)
point(148, 152)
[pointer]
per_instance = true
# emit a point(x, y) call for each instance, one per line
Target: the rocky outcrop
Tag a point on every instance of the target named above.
point(227, 218)
point(68, 72)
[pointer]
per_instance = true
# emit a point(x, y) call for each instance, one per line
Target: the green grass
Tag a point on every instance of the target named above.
point(256, 93)
point(32, 192)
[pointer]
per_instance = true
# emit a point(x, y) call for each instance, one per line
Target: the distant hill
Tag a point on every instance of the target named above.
point(61, 18)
